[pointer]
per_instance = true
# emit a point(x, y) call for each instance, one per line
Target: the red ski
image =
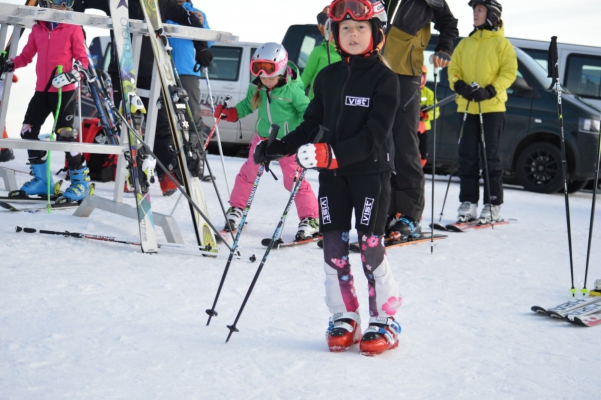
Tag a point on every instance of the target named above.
point(473, 225)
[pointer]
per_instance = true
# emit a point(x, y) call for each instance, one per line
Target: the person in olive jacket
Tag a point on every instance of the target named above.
point(406, 40)
point(483, 67)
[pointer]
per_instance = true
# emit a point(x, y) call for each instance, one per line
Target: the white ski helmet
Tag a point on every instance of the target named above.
point(270, 59)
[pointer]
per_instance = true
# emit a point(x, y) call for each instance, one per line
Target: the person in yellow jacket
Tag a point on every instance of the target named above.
point(319, 57)
point(427, 99)
point(483, 67)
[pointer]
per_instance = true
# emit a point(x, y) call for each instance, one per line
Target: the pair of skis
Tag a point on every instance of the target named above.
point(583, 312)
point(469, 226)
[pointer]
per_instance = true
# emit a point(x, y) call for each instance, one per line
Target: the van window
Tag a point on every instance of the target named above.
point(309, 43)
point(583, 76)
point(252, 52)
point(540, 56)
point(226, 63)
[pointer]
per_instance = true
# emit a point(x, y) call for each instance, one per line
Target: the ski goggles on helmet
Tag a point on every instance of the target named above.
point(358, 10)
point(67, 3)
point(267, 68)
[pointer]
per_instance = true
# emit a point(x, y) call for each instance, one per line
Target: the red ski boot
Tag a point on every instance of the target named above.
point(381, 335)
point(344, 331)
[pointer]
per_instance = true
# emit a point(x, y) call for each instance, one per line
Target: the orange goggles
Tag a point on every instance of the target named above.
point(266, 68)
point(358, 10)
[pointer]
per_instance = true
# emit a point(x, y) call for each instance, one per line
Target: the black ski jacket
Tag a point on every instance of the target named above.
point(357, 103)
point(169, 9)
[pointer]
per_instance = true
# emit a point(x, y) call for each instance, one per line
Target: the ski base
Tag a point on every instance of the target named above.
point(281, 244)
point(53, 206)
point(469, 226)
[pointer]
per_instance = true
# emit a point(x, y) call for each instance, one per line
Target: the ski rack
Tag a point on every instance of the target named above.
point(21, 17)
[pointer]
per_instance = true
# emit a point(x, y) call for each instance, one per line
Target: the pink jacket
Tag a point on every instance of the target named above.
point(57, 47)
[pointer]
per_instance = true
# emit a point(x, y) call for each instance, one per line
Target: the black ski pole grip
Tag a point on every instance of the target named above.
point(273, 133)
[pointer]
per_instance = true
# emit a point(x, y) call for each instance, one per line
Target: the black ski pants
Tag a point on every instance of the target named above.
point(408, 183)
point(40, 106)
point(470, 157)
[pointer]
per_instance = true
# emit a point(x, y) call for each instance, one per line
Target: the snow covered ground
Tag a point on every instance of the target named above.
point(92, 320)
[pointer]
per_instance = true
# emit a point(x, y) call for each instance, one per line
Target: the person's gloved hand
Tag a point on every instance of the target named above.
point(441, 59)
point(464, 90)
point(8, 66)
point(229, 114)
point(266, 153)
point(66, 78)
point(486, 93)
point(318, 155)
point(423, 115)
point(203, 56)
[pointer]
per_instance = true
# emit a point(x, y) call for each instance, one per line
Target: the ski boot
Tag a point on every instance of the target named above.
point(381, 335)
point(80, 185)
point(490, 213)
point(467, 212)
point(38, 185)
point(344, 330)
point(6, 155)
point(234, 216)
point(307, 228)
point(404, 229)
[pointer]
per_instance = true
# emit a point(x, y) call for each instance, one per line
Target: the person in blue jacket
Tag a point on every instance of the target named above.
point(183, 54)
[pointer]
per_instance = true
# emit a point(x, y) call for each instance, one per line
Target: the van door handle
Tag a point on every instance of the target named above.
point(230, 87)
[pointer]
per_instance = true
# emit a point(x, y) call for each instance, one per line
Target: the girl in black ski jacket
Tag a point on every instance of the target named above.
point(347, 135)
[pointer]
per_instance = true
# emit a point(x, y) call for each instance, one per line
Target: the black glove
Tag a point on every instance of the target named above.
point(265, 153)
point(484, 94)
point(464, 90)
point(203, 55)
point(8, 66)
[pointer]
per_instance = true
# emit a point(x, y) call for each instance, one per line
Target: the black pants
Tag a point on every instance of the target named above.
point(368, 195)
point(41, 105)
point(469, 158)
point(408, 182)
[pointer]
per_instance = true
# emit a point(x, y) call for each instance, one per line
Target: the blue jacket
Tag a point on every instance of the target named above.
point(183, 49)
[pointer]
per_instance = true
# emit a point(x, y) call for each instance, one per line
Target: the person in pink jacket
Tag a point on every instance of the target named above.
point(55, 44)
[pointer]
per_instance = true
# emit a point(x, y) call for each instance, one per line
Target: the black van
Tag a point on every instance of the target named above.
point(530, 145)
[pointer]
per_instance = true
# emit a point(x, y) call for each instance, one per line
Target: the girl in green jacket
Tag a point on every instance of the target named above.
point(484, 65)
point(278, 96)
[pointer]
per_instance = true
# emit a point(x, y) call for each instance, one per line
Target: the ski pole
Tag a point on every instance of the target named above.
point(59, 70)
point(217, 121)
point(297, 185)
point(169, 246)
point(206, 73)
point(554, 74)
point(272, 136)
point(484, 157)
point(433, 153)
point(278, 229)
point(584, 290)
point(454, 162)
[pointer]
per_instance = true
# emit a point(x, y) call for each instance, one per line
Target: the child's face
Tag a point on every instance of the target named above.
point(355, 36)
point(270, 82)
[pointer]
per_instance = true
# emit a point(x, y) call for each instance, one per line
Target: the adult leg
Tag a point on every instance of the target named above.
point(408, 182)
point(469, 160)
point(493, 128)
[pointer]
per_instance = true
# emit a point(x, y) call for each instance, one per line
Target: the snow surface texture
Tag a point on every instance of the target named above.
point(92, 320)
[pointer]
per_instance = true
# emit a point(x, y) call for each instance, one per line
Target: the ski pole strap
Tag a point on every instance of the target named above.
point(52, 75)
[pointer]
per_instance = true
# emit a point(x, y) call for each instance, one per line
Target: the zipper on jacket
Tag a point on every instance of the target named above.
point(342, 101)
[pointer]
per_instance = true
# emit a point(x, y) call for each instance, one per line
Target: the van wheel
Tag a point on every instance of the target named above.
point(538, 168)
